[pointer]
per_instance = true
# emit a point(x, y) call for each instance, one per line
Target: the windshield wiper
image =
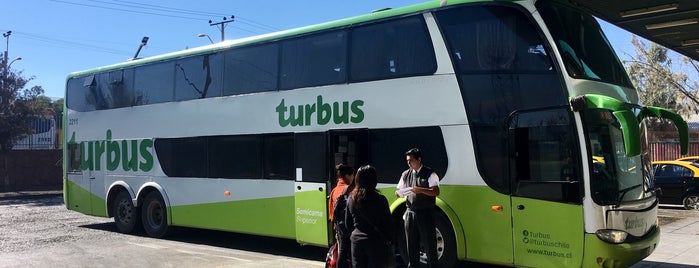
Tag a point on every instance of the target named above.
point(624, 191)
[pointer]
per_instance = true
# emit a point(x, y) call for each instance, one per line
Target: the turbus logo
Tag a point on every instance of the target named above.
point(635, 223)
point(131, 155)
point(302, 115)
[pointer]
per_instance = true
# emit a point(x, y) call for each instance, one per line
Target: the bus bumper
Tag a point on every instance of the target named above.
point(602, 254)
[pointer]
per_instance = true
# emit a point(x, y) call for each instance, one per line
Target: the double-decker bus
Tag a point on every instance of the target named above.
point(522, 108)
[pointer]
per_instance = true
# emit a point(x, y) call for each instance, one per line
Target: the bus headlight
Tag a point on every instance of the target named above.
point(612, 236)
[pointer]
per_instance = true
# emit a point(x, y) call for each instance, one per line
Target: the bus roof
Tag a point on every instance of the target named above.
point(376, 15)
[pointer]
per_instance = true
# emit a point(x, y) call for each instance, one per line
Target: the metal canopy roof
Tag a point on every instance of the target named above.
point(671, 23)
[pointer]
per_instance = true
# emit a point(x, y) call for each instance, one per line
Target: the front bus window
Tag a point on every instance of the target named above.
point(585, 50)
point(615, 177)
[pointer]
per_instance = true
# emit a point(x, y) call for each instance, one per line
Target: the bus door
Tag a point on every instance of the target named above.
point(547, 212)
point(349, 147)
point(79, 182)
point(316, 157)
point(310, 189)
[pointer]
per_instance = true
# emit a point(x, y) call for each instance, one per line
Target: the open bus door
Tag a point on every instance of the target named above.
point(316, 157)
point(547, 212)
point(310, 189)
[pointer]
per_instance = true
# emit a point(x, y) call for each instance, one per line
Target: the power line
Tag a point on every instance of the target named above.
point(128, 6)
point(204, 13)
point(69, 44)
point(125, 10)
point(257, 24)
point(171, 9)
point(81, 47)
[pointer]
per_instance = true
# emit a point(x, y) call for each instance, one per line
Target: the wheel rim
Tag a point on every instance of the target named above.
point(691, 202)
point(125, 211)
point(155, 215)
point(440, 248)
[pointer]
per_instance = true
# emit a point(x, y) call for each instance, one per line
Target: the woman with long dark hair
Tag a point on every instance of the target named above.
point(373, 226)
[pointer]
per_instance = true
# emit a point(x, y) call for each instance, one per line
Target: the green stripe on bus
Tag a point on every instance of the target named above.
point(268, 216)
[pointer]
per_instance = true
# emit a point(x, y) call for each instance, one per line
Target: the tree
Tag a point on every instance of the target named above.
point(57, 106)
point(18, 108)
point(659, 81)
point(662, 82)
point(43, 105)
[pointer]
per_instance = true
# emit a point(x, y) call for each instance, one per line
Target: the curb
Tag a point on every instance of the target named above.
point(29, 194)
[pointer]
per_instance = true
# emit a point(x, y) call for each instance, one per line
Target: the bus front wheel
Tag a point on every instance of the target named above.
point(446, 242)
point(154, 215)
point(125, 214)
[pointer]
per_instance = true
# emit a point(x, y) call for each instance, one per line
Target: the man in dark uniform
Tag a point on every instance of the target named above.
point(420, 185)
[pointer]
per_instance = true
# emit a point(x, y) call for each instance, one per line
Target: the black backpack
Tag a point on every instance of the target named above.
point(340, 214)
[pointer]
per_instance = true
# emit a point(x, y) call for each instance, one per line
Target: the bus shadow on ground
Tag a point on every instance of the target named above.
point(288, 247)
point(260, 244)
point(244, 242)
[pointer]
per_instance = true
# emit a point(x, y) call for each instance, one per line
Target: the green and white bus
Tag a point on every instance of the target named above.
point(522, 108)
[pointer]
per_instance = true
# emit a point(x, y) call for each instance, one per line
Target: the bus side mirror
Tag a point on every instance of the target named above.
point(682, 128)
point(627, 119)
point(631, 132)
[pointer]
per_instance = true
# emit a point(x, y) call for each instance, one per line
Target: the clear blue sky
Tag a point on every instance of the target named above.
point(57, 37)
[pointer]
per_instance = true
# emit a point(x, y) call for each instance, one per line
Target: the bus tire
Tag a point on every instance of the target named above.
point(446, 242)
point(154, 215)
point(126, 216)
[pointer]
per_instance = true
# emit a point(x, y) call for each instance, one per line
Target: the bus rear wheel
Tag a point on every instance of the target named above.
point(154, 215)
point(125, 214)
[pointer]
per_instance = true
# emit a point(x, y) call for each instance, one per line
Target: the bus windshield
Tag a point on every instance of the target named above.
point(615, 178)
point(585, 50)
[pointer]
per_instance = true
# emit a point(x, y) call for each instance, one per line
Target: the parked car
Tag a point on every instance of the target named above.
point(677, 183)
point(693, 159)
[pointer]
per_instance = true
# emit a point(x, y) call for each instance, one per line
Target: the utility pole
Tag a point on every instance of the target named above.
point(7, 48)
point(222, 26)
point(3, 83)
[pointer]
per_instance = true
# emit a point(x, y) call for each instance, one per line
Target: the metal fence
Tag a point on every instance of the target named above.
point(45, 136)
point(670, 150)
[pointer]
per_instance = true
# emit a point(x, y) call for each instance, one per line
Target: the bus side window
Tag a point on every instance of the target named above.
point(544, 161)
point(73, 158)
point(251, 69)
point(278, 155)
point(396, 48)
point(149, 85)
point(314, 60)
point(197, 77)
point(120, 85)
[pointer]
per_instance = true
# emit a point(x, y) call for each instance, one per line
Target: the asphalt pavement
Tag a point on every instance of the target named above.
point(678, 248)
